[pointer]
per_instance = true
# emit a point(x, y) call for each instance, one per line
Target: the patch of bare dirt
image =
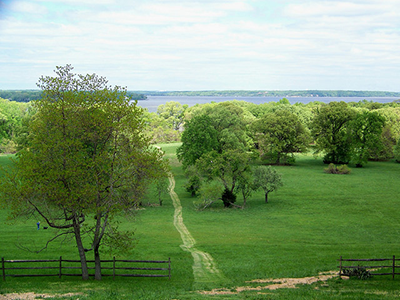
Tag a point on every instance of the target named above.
point(34, 296)
point(273, 284)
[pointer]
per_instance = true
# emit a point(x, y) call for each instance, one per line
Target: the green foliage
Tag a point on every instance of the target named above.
point(332, 169)
point(209, 194)
point(85, 156)
point(12, 116)
point(246, 186)
point(331, 131)
point(280, 135)
point(227, 167)
point(365, 135)
point(267, 179)
point(159, 130)
point(397, 152)
point(21, 95)
point(173, 113)
point(199, 138)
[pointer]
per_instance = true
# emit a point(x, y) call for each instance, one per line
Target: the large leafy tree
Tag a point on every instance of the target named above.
point(330, 129)
point(86, 161)
point(280, 135)
point(173, 113)
point(365, 132)
point(199, 138)
point(227, 167)
point(228, 120)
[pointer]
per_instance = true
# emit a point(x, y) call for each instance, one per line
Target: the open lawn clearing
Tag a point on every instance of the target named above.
point(312, 220)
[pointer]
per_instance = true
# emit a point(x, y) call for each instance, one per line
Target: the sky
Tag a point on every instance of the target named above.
point(205, 44)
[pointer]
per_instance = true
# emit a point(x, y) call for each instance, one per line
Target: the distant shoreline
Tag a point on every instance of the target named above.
point(272, 93)
point(28, 95)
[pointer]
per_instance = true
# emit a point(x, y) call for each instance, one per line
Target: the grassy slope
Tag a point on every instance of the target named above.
point(312, 220)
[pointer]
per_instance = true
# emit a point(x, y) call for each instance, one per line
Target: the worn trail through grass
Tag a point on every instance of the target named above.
point(204, 268)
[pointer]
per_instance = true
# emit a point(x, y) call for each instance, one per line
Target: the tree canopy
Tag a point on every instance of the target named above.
point(86, 160)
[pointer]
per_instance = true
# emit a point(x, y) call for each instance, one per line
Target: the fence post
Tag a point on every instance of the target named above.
point(3, 268)
point(340, 267)
point(169, 268)
point(114, 267)
point(394, 265)
point(60, 267)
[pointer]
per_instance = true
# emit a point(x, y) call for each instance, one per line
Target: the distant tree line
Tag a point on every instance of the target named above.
point(29, 95)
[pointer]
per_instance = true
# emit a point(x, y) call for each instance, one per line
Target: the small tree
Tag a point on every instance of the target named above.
point(267, 179)
point(246, 186)
point(162, 184)
point(209, 193)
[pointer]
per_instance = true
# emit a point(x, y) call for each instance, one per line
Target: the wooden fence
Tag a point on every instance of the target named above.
point(381, 267)
point(65, 267)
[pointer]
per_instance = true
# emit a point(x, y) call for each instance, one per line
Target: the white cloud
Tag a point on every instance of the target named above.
point(27, 7)
point(207, 44)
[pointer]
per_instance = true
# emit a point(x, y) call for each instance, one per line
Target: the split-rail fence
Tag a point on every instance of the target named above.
point(386, 266)
point(66, 267)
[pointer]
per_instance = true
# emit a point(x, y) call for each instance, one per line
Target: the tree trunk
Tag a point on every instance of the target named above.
point(97, 263)
point(82, 255)
point(266, 197)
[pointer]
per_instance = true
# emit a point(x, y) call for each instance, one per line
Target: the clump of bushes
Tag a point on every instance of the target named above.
point(332, 169)
point(359, 272)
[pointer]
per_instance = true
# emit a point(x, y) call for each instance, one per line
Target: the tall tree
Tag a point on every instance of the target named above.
point(365, 133)
point(199, 138)
point(330, 130)
point(86, 156)
point(228, 167)
point(280, 135)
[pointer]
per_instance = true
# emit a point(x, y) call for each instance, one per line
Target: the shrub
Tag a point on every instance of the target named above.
point(228, 198)
point(359, 272)
point(332, 169)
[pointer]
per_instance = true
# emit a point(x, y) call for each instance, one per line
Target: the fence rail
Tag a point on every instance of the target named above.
point(372, 267)
point(109, 268)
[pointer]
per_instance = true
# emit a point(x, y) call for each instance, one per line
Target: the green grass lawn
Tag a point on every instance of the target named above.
point(308, 224)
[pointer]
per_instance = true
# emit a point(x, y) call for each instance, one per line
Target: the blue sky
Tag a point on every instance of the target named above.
point(205, 44)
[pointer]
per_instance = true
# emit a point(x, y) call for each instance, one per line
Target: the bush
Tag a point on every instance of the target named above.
point(359, 272)
point(228, 198)
point(332, 169)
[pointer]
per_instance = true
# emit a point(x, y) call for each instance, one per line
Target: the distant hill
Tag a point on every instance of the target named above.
point(263, 93)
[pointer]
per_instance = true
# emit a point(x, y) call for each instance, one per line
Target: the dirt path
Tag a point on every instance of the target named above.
point(204, 268)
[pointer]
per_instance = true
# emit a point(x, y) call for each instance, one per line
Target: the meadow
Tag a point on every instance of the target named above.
point(307, 225)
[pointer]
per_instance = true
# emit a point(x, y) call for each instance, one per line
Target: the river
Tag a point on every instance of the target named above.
point(153, 102)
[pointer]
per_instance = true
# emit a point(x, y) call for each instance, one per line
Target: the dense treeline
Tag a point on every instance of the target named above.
point(275, 130)
point(223, 142)
point(29, 95)
point(20, 95)
point(264, 93)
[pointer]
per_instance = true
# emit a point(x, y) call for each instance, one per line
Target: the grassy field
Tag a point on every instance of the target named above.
point(309, 223)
